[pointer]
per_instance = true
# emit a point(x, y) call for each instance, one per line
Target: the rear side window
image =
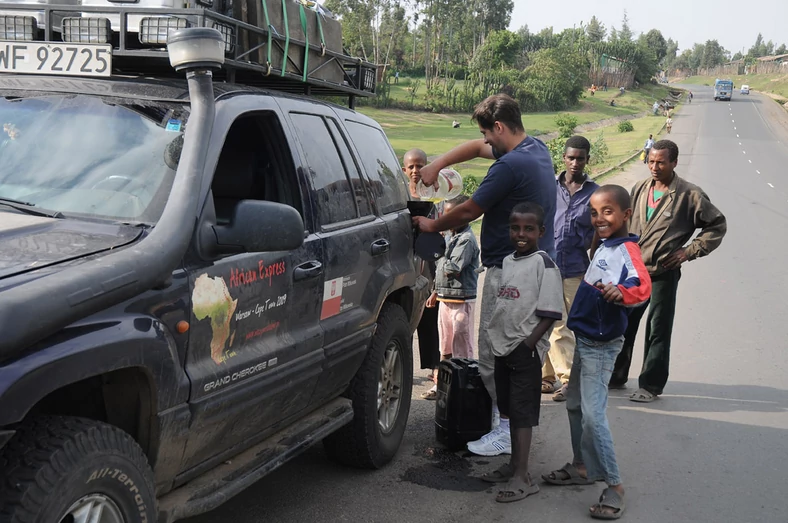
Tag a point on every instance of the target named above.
point(388, 183)
point(362, 200)
point(336, 201)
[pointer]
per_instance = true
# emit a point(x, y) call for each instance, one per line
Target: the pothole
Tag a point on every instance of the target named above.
point(445, 470)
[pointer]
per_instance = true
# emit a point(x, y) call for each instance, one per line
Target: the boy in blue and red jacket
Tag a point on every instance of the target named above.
point(616, 280)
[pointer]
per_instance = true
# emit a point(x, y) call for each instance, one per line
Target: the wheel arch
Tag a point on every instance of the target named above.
point(123, 373)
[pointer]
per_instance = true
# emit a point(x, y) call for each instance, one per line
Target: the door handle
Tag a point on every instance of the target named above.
point(310, 269)
point(380, 247)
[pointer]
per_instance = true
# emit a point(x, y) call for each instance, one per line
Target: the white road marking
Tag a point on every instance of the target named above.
point(759, 172)
point(745, 152)
point(770, 185)
point(749, 161)
point(737, 137)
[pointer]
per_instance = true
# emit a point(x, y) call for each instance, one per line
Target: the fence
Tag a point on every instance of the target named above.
point(613, 80)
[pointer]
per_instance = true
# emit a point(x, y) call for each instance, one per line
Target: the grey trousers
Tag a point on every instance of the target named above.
point(492, 281)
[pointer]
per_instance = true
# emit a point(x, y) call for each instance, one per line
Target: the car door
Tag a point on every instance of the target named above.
point(255, 345)
point(389, 188)
point(355, 241)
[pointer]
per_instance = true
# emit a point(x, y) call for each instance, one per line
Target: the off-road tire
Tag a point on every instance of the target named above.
point(52, 462)
point(362, 443)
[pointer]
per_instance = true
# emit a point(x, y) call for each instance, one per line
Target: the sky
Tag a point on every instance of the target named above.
point(734, 24)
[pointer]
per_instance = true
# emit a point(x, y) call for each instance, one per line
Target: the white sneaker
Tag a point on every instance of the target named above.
point(494, 443)
point(496, 418)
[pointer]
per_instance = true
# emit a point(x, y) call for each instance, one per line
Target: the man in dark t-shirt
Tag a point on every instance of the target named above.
point(523, 172)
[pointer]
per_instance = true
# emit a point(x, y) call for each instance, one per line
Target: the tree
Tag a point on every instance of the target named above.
point(595, 30)
point(500, 51)
point(498, 14)
point(671, 53)
point(737, 56)
point(555, 79)
point(713, 54)
point(656, 42)
point(683, 61)
point(625, 33)
point(780, 50)
point(758, 49)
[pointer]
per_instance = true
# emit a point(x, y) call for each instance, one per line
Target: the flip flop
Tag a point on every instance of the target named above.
point(566, 475)
point(609, 499)
point(642, 396)
point(503, 474)
point(548, 387)
point(515, 490)
point(560, 396)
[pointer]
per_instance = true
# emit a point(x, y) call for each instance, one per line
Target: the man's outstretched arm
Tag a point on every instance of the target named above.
point(462, 153)
point(458, 217)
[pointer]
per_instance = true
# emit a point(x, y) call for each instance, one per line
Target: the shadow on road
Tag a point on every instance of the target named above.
point(700, 397)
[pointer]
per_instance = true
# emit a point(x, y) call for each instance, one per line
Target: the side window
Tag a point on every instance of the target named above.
point(255, 164)
point(360, 193)
point(335, 197)
point(388, 183)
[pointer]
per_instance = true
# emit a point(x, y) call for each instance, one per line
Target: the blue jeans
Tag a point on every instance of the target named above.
point(586, 404)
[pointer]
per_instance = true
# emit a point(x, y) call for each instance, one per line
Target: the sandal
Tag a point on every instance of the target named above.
point(430, 395)
point(561, 394)
point(548, 387)
point(642, 396)
point(516, 489)
point(610, 499)
point(503, 474)
point(566, 475)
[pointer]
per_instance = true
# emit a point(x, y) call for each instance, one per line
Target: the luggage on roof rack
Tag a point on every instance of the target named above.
point(278, 44)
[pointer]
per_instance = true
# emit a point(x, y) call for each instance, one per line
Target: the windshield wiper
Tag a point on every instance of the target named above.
point(29, 208)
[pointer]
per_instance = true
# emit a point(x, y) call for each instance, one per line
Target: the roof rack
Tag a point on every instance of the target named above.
point(254, 55)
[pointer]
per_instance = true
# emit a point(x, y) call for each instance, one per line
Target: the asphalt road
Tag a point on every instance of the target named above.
point(712, 449)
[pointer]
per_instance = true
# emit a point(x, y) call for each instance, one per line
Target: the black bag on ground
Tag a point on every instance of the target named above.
point(463, 410)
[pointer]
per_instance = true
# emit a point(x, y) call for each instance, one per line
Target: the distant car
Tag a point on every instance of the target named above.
point(745, 89)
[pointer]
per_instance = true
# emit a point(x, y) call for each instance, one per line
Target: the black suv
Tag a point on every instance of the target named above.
point(198, 280)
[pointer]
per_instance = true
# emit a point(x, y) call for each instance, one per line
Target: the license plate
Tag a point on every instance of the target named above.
point(56, 58)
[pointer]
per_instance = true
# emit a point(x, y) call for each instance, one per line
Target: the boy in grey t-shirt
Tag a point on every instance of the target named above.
point(530, 300)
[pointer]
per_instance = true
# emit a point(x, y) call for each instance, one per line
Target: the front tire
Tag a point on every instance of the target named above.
point(73, 470)
point(381, 393)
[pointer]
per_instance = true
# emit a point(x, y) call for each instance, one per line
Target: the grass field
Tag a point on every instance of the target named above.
point(623, 145)
point(434, 134)
point(767, 83)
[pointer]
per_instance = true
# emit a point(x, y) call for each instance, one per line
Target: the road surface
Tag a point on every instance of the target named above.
point(712, 449)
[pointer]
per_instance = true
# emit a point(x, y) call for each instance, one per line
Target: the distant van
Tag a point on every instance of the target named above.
point(745, 89)
point(723, 89)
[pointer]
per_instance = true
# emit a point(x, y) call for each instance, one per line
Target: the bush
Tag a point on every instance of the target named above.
point(626, 127)
point(556, 147)
point(469, 185)
point(599, 150)
point(566, 124)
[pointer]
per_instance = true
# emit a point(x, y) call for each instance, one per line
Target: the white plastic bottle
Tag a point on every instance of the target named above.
point(449, 186)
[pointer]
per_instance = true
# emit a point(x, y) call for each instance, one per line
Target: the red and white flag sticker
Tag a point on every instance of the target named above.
point(332, 298)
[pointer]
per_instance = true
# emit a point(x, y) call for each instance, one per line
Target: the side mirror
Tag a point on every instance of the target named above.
point(258, 226)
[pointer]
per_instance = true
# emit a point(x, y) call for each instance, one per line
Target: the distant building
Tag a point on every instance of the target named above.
point(780, 59)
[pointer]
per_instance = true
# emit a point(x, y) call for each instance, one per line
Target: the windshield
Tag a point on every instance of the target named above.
point(85, 155)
